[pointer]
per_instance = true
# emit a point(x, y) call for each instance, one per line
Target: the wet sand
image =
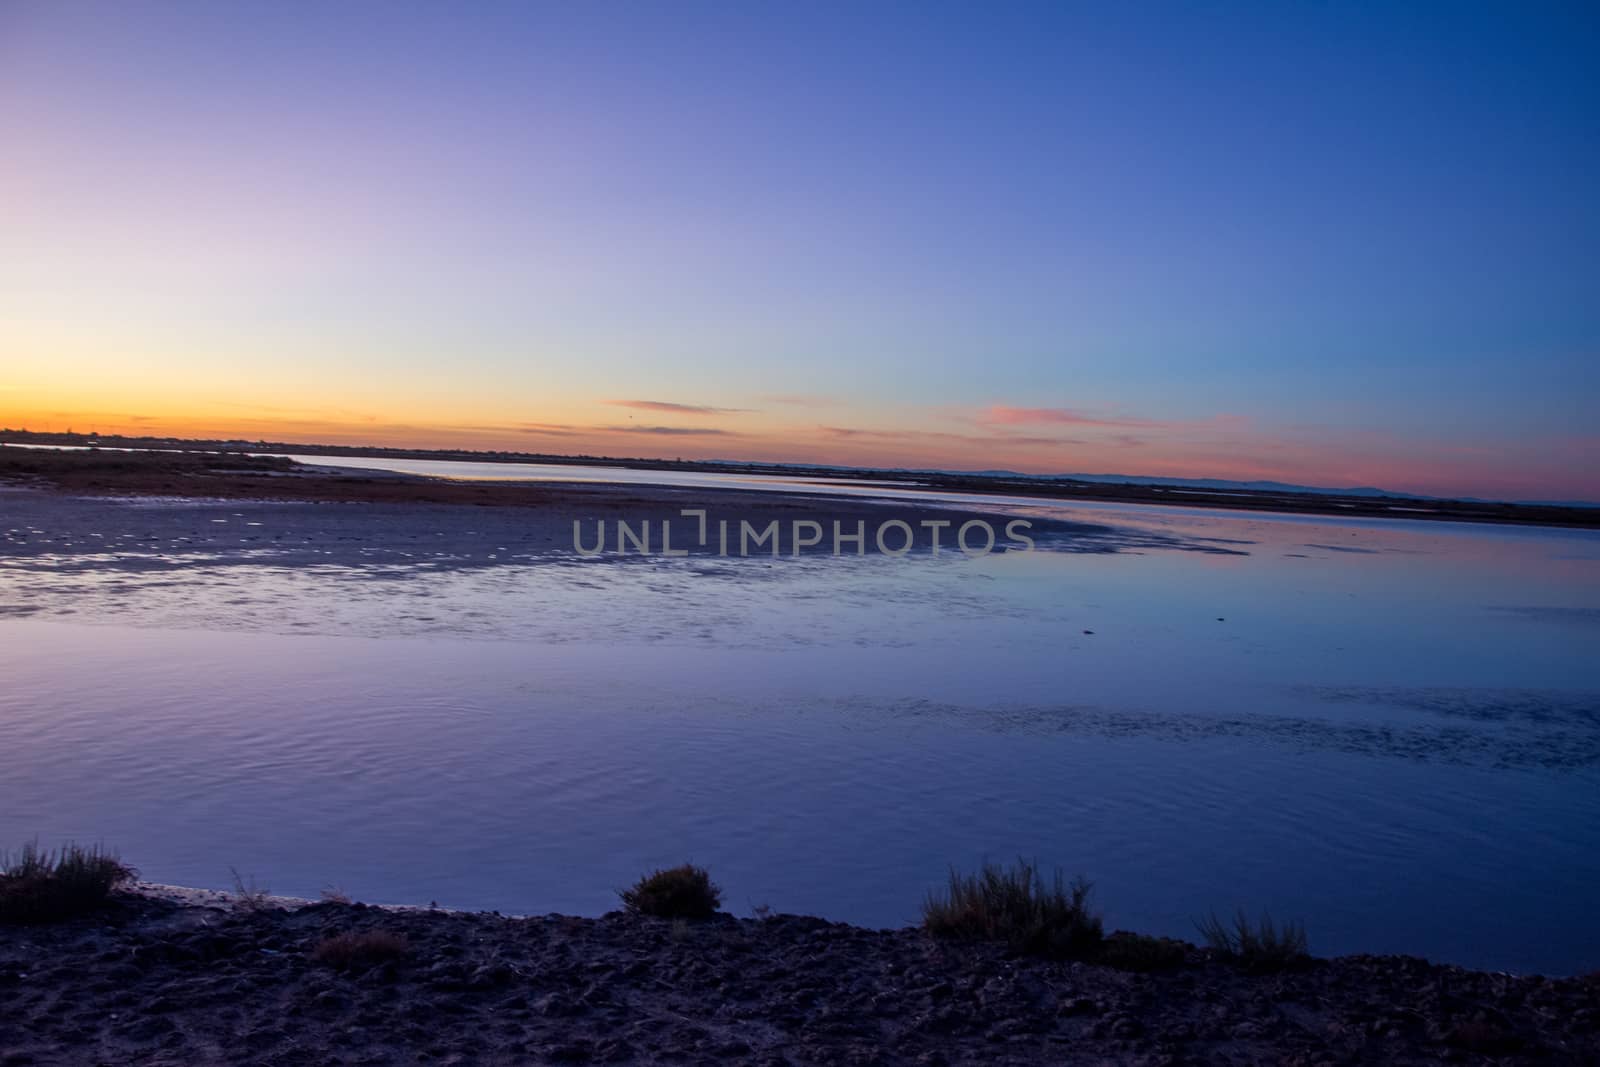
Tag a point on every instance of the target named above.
point(129, 506)
point(150, 981)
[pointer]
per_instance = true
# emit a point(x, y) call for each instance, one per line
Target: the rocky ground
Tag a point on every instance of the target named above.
point(154, 982)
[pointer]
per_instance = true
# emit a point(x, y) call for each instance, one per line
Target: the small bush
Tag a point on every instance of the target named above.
point(1259, 946)
point(346, 951)
point(1017, 906)
point(248, 896)
point(685, 892)
point(1141, 952)
point(45, 886)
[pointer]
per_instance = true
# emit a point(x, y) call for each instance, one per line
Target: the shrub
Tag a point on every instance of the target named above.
point(1259, 946)
point(345, 951)
point(45, 886)
point(1017, 906)
point(248, 896)
point(1141, 952)
point(685, 892)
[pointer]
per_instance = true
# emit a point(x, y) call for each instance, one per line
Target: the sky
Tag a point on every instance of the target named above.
point(1333, 244)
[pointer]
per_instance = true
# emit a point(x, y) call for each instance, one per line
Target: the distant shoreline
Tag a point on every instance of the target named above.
point(482, 523)
point(424, 489)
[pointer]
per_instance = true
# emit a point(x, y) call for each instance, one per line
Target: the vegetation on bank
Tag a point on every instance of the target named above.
point(1051, 917)
point(684, 892)
point(1261, 945)
point(38, 885)
point(1018, 906)
point(247, 896)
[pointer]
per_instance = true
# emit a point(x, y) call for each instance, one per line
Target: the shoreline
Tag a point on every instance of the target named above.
point(243, 459)
point(170, 975)
point(402, 517)
point(207, 978)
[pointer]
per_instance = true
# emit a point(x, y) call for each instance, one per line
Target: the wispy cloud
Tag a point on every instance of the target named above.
point(566, 429)
point(670, 431)
point(850, 433)
point(1001, 415)
point(547, 429)
point(1005, 415)
point(563, 429)
point(678, 409)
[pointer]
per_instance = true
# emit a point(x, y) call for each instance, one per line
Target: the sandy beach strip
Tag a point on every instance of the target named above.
point(189, 977)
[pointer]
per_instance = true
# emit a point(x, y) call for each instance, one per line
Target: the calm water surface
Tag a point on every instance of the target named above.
point(1388, 729)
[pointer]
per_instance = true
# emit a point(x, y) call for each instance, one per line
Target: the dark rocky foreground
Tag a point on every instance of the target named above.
point(153, 982)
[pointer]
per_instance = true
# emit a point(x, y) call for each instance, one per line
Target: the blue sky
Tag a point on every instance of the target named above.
point(1328, 243)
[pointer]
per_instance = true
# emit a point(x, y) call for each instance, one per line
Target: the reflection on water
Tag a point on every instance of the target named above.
point(1391, 730)
point(572, 472)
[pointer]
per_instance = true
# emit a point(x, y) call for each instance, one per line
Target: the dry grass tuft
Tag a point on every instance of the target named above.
point(1018, 906)
point(248, 896)
point(39, 886)
point(1260, 946)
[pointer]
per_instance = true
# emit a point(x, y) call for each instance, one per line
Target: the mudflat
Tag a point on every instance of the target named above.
point(405, 513)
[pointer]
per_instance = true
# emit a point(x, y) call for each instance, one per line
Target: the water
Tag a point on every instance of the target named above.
point(1390, 730)
point(572, 472)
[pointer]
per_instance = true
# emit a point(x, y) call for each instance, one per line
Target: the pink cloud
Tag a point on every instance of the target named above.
point(1006, 415)
point(1012, 415)
point(983, 440)
point(669, 431)
point(679, 409)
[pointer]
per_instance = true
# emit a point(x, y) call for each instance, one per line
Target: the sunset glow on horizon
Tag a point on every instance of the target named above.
point(1333, 247)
